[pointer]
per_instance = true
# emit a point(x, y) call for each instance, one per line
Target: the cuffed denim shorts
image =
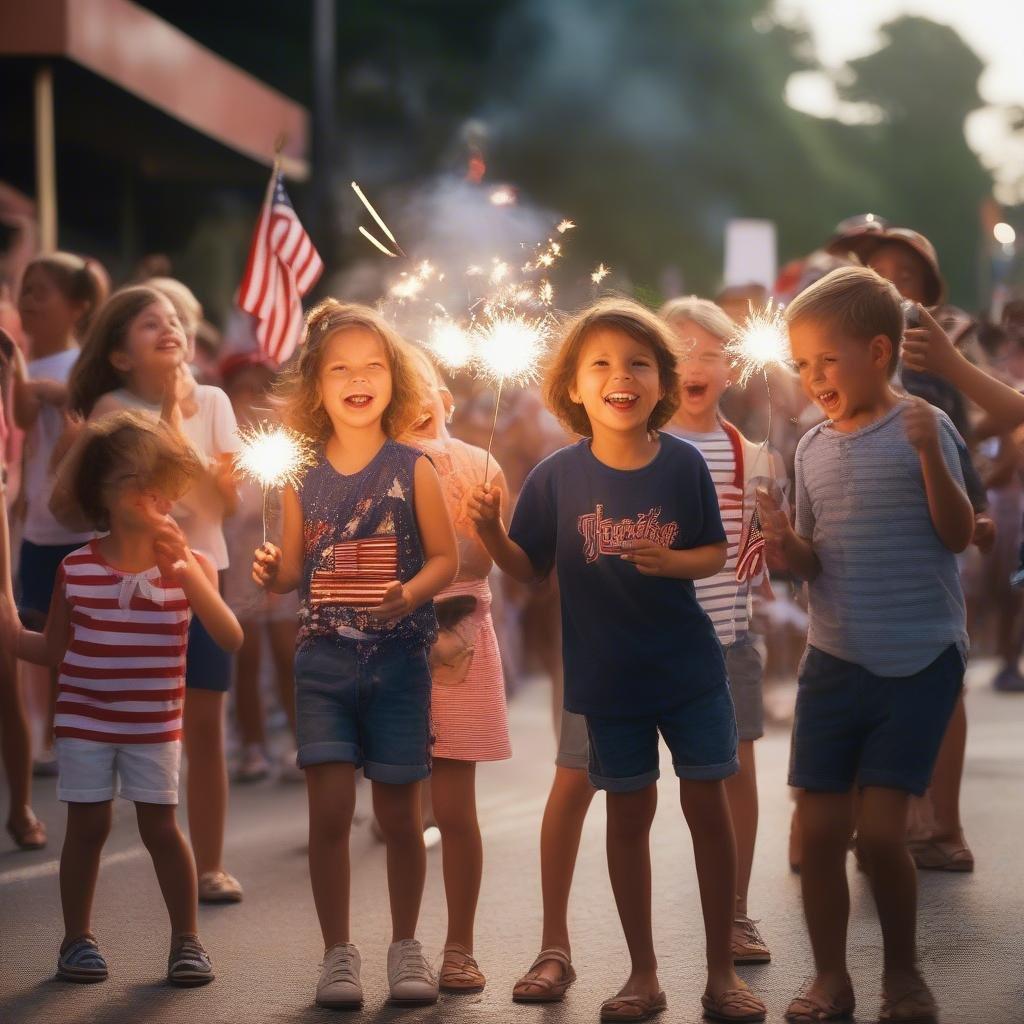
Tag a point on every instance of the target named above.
point(372, 711)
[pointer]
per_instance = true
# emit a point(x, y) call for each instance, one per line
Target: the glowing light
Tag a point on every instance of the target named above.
point(425, 271)
point(1004, 233)
point(761, 341)
point(509, 347)
point(407, 287)
point(503, 196)
point(546, 293)
point(545, 259)
point(272, 455)
point(600, 273)
point(499, 271)
point(450, 344)
point(377, 217)
point(380, 245)
point(565, 225)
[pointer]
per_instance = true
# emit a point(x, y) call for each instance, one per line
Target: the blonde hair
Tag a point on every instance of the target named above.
point(703, 312)
point(181, 297)
point(299, 389)
point(632, 319)
point(128, 443)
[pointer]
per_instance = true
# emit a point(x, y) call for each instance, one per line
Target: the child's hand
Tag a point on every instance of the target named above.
point(649, 558)
point(984, 533)
point(10, 626)
point(774, 522)
point(266, 564)
point(172, 551)
point(394, 604)
point(927, 349)
point(484, 506)
point(921, 425)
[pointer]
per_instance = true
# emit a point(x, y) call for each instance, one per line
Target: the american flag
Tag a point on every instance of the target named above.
point(360, 573)
point(750, 560)
point(283, 266)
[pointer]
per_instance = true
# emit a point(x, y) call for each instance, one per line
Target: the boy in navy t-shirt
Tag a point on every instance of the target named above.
point(629, 518)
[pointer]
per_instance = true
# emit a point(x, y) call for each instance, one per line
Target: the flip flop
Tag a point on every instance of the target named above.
point(633, 1008)
point(734, 1005)
point(915, 1006)
point(533, 988)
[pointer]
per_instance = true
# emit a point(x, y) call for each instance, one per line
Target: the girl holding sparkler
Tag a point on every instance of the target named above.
point(134, 358)
point(629, 518)
point(468, 703)
point(367, 539)
point(117, 629)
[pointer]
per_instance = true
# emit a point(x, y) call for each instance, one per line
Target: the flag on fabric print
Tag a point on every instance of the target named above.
point(750, 560)
point(283, 266)
point(360, 573)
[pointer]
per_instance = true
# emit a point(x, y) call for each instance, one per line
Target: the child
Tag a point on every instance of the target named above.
point(59, 296)
point(880, 512)
point(117, 627)
point(738, 468)
point(468, 694)
point(134, 358)
point(367, 540)
point(628, 516)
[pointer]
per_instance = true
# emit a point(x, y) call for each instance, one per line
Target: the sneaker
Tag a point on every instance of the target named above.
point(1008, 680)
point(219, 887)
point(339, 987)
point(254, 766)
point(748, 947)
point(81, 961)
point(410, 978)
point(189, 964)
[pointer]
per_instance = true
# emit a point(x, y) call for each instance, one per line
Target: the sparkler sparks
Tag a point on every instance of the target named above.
point(600, 273)
point(407, 287)
point(509, 347)
point(450, 344)
point(565, 225)
point(761, 341)
point(503, 196)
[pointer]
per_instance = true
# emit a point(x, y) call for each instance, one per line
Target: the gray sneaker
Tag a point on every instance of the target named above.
point(410, 978)
point(339, 987)
point(189, 963)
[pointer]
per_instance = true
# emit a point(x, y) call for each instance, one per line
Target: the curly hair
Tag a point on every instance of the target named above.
point(299, 387)
point(127, 445)
point(630, 318)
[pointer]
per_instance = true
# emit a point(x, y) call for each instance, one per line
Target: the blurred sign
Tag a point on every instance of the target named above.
point(750, 253)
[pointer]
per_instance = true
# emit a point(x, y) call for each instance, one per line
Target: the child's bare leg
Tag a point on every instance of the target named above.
point(714, 851)
point(172, 861)
point(741, 792)
point(630, 816)
point(949, 770)
point(248, 705)
point(87, 831)
point(882, 840)
point(282, 648)
point(15, 745)
point(453, 787)
point(826, 824)
point(397, 808)
point(332, 801)
point(207, 776)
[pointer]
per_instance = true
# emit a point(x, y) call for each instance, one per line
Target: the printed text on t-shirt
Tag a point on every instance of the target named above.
point(603, 536)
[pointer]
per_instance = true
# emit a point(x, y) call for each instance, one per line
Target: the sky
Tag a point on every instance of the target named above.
point(993, 28)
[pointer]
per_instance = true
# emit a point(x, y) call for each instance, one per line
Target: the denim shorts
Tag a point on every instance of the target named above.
point(700, 734)
point(853, 726)
point(372, 711)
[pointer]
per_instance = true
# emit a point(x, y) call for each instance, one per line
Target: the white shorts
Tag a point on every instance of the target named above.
point(89, 771)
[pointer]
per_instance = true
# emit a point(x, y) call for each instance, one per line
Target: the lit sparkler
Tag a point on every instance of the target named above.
point(761, 342)
point(380, 245)
point(450, 344)
point(600, 273)
point(377, 217)
point(273, 456)
point(565, 225)
point(408, 286)
point(503, 195)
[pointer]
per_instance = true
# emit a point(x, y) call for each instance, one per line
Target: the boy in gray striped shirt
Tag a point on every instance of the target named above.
point(880, 513)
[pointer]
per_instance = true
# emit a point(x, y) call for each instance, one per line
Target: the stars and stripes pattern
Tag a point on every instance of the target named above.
point(362, 570)
point(750, 560)
point(283, 266)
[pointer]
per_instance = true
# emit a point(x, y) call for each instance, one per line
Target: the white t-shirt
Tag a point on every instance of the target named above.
point(40, 525)
point(213, 431)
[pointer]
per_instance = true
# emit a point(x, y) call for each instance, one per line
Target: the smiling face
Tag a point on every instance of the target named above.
point(154, 344)
point(354, 381)
point(703, 369)
point(617, 381)
point(847, 378)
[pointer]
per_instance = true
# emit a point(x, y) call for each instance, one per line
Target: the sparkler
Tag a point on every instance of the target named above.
point(450, 345)
point(565, 225)
point(380, 245)
point(377, 217)
point(600, 273)
point(272, 456)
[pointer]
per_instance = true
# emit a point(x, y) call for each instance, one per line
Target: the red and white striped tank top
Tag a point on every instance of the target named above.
point(123, 676)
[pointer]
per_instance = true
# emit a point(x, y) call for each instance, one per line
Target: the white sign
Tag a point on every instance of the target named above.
point(750, 253)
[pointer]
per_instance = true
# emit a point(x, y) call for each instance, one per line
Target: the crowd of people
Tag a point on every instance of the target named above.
point(634, 540)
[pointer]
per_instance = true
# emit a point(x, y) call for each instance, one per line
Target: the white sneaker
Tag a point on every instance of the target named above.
point(410, 978)
point(339, 987)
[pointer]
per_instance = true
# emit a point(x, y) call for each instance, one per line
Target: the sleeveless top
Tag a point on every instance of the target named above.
point(359, 535)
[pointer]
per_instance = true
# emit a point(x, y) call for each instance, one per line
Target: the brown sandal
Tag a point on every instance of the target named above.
point(808, 1009)
point(30, 836)
point(535, 988)
point(937, 855)
point(734, 1004)
point(633, 1008)
point(459, 971)
point(914, 1006)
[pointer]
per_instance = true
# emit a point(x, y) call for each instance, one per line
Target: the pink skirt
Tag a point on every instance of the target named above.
point(468, 704)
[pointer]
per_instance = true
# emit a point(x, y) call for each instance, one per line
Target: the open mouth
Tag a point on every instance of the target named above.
point(828, 400)
point(359, 401)
point(622, 400)
point(695, 391)
point(169, 346)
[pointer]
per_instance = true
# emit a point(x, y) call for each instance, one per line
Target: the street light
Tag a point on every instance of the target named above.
point(1004, 233)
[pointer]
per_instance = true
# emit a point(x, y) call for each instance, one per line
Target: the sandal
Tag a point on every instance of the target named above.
point(914, 1006)
point(941, 855)
point(634, 1008)
point(81, 961)
point(808, 1009)
point(459, 971)
point(219, 887)
point(734, 1004)
point(535, 988)
point(30, 836)
point(748, 945)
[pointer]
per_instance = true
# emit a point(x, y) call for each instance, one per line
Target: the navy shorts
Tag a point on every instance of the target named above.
point(853, 726)
point(700, 733)
point(37, 573)
point(371, 711)
point(207, 665)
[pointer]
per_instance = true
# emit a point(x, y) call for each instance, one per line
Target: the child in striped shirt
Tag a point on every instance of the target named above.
point(737, 467)
point(118, 628)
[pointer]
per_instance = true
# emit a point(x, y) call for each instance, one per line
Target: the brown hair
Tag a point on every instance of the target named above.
point(79, 280)
point(854, 301)
point(186, 305)
point(94, 374)
point(129, 444)
point(300, 384)
point(621, 315)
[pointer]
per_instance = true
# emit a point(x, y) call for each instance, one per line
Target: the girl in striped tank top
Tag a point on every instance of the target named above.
point(367, 540)
point(117, 629)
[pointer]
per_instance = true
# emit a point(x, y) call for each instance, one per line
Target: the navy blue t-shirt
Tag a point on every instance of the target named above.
point(632, 644)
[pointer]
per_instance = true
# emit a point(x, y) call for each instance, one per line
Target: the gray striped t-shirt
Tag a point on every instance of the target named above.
point(888, 597)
